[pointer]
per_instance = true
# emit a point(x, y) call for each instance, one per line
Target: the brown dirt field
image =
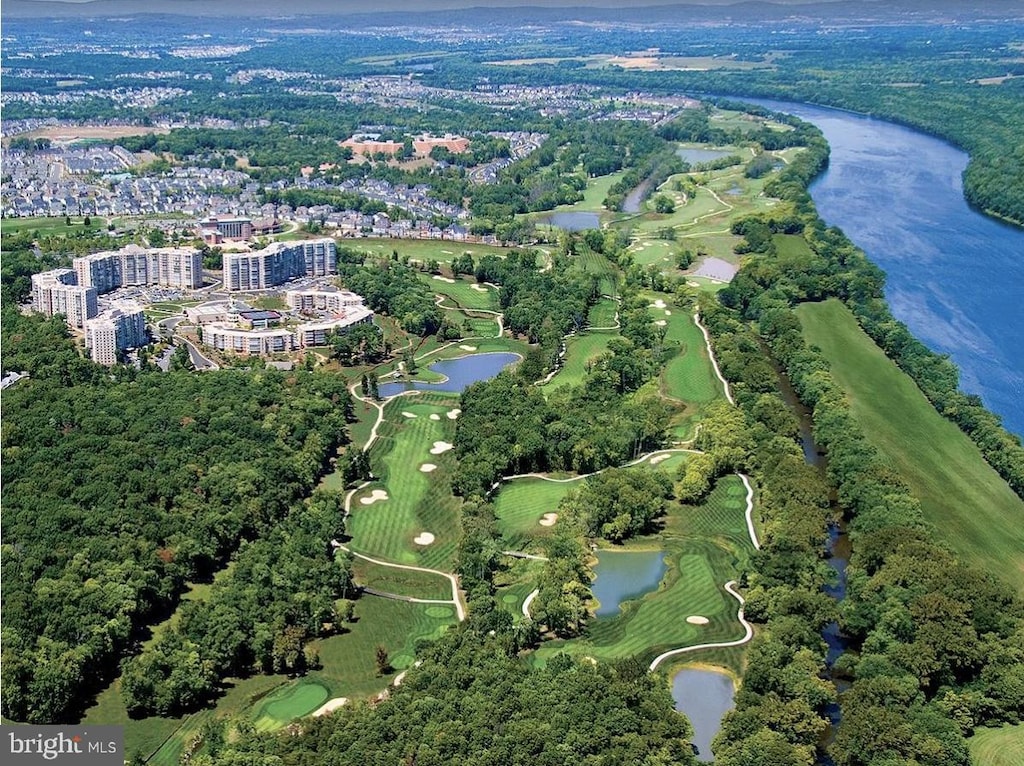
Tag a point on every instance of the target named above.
point(73, 133)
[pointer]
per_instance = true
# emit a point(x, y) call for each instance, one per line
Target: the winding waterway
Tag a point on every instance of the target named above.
point(954, 276)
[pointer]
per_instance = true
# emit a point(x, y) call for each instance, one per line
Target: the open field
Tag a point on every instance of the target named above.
point(45, 226)
point(998, 747)
point(70, 133)
point(974, 511)
point(705, 546)
point(580, 350)
point(520, 505)
point(422, 250)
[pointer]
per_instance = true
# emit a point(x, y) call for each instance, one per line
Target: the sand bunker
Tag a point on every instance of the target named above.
point(434, 416)
point(549, 520)
point(407, 414)
point(428, 467)
point(464, 347)
point(452, 414)
point(696, 619)
point(659, 304)
point(423, 538)
point(330, 706)
point(658, 458)
point(440, 448)
point(668, 313)
point(661, 323)
point(691, 283)
point(377, 494)
point(448, 252)
point(439, 278)
point(479, 288)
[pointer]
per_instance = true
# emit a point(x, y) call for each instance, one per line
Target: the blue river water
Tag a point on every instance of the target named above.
point(955, 277)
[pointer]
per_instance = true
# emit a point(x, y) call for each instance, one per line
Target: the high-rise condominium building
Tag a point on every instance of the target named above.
point(281, 261)
point(134, 266)
point(56, 292)
point(121, 327)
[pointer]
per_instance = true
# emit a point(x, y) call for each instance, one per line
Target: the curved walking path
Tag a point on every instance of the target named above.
point(456, 600)
point(747, 635)
point(529, 600)
point(749, 514)
point(714, 362)
point(407, 599)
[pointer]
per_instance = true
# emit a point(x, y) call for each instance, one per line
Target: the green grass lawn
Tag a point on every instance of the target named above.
point(417, 501)
point(602, 313)
point(422, 250)
point(579, 351)
point(402, 582)
point(349, 666)
point(973, 510)
point(465, 292)
point(520, 505)
point(595, 263)
point(286, 704)
point(688, 376)
point(998, 747)
point(45, 226)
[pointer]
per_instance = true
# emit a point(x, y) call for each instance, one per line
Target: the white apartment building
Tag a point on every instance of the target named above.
point(322, 299)
point(120, 327)
point(134, 266)
point(56, 292)
point(279, 262)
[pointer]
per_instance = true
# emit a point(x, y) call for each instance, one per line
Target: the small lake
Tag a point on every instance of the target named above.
point(696, 156)
point(460, 373)
point(573, 221)
point(623, 575)
point(703, 696)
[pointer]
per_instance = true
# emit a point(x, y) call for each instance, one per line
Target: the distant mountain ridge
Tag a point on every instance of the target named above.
point(513, 11)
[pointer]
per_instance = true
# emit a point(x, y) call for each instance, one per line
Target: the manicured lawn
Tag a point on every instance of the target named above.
point(602, 313)
point(688, 376)
point(998, 747)
point(972, 508)
point(595, 263)
point(579, 351)
point(654, 251)
point(348, 661)
point(422, 250)
point(288, 703)
point(464, 292)
point(417, 501)
point(521, 503)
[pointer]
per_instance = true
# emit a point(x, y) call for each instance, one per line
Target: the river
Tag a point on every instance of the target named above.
point(953, 275)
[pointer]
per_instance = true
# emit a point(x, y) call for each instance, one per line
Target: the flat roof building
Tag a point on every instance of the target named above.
point(57, 292)
point(278, 263)
point(134, 266)
point(120, 327)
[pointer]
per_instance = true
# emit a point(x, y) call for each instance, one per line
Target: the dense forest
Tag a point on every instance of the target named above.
point(120, 489)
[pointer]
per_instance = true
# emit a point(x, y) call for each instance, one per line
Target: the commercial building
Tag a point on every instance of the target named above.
point(279, 262)
point(57, 292)
point(120, 327)
point(133, 266)
point(215, 230)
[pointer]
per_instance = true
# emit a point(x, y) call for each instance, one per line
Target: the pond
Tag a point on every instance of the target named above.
point(459, 373)
point(573, 221)
point(704, 696)
point(696, 156)
point(623, 575)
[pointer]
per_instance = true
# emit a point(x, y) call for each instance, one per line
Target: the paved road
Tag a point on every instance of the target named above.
point(200, 361)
